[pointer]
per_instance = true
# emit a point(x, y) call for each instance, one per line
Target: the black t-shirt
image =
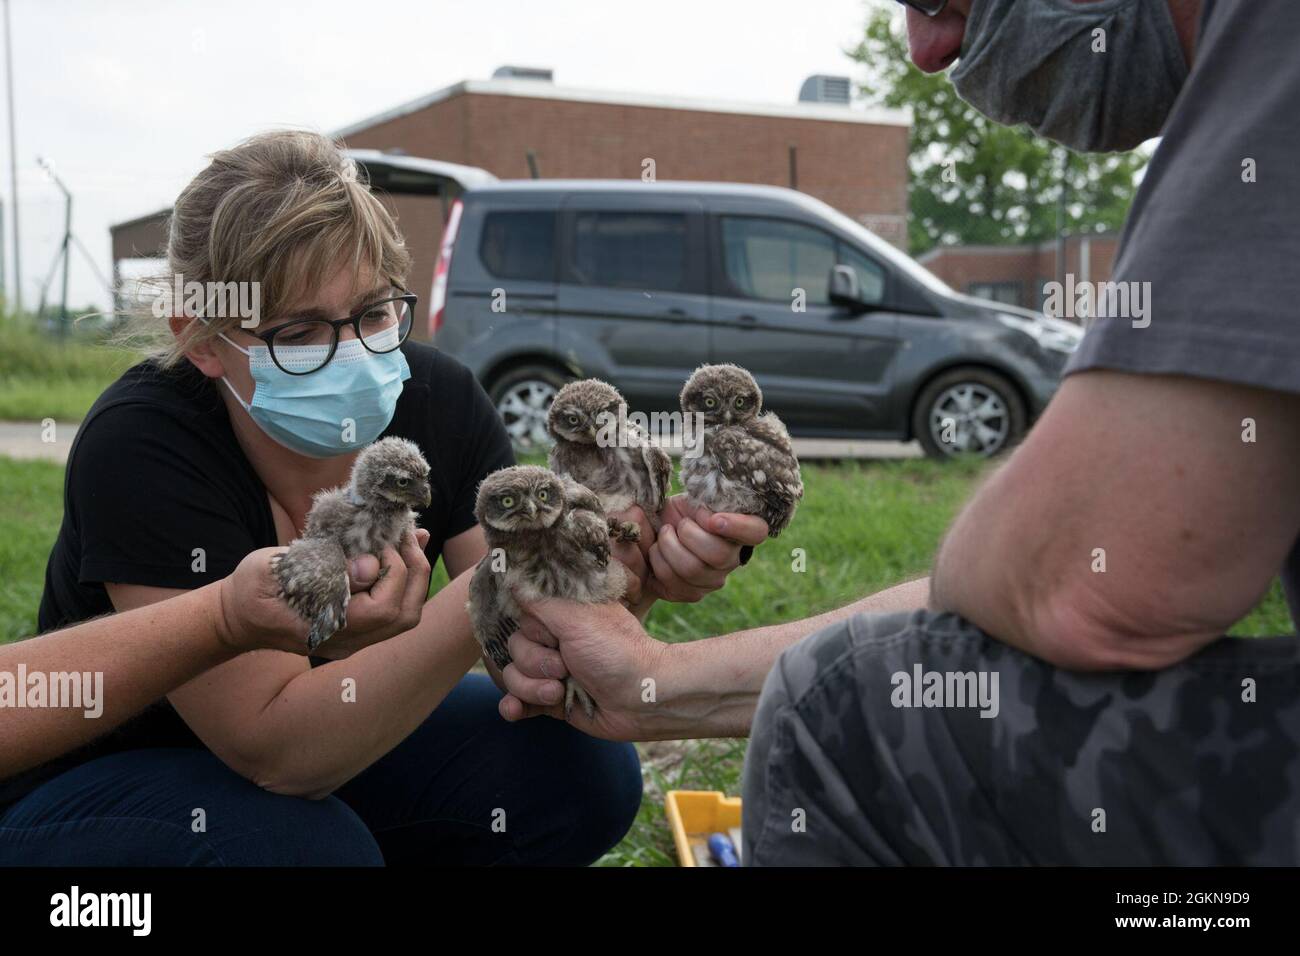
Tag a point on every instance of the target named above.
point(158, 492)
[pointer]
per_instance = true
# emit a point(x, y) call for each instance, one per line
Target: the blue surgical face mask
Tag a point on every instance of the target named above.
point(339, 408)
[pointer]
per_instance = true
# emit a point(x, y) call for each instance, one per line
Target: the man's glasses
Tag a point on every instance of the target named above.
point(931, 8)
point(381, 327)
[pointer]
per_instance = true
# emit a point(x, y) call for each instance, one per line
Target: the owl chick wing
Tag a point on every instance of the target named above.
point(582, 545)
point(486, 606)
point(584, 528)
point(761, 457)
point(659, 476)
point(313, 576)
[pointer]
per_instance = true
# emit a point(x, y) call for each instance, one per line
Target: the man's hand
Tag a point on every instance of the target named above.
point(603, 646)
point(696, 550)
point(634, 556)
point(255, 617)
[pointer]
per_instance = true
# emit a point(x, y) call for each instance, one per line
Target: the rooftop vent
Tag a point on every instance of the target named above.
point(523, 73)
point(821, 88)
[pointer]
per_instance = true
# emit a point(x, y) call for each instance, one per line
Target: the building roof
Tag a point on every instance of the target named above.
point(995, 249)
point(548, 91)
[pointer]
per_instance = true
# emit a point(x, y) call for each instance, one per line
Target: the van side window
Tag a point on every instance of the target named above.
point(770, 258)
point(871, 275)
point(631, 250)
point(519, 245)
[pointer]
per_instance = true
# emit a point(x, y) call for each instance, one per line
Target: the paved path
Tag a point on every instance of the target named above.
point(28, 440)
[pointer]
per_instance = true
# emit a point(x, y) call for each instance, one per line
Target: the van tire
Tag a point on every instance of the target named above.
point(986, 411)
point(522, 396)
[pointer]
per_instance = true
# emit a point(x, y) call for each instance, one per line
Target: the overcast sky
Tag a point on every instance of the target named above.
point(125, 98)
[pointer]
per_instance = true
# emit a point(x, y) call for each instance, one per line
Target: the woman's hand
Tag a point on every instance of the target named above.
point(255, 617)
point(696, 549)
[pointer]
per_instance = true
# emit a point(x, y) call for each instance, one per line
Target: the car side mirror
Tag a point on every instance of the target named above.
point(844, 289)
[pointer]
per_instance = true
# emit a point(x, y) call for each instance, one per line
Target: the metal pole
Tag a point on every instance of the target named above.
point(3, 277)
point(67, 240)
point(67, 258)
point(13, 166)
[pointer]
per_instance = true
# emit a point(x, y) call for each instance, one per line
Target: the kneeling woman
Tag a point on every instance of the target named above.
point(214, 449)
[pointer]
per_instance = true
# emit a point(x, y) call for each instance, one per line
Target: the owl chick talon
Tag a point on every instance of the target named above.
point(572, 690)
point(628, 531)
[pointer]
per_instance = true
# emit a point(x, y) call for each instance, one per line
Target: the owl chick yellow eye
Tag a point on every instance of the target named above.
point(403, 482)
point(541, 495)
point(507, 502)
point(573, 419)
point(710, 402)
point(740, 403)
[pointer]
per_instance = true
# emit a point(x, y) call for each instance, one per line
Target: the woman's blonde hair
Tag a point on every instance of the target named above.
point(285, 209)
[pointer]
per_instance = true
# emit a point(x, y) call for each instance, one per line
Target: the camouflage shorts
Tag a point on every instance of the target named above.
point(915, 738)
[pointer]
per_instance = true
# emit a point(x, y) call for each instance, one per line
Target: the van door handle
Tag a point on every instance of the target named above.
point(676, 315)
point(747, 319)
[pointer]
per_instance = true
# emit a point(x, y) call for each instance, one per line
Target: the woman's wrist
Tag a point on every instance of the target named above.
point(223, 622)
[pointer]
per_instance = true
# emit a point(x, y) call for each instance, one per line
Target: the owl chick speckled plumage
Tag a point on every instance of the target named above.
point(370, 513)
point(554, 543)
point(632, 471)
point(747, 465)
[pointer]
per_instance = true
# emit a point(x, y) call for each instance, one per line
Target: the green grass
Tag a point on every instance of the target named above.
point(45, 376)
point(863, 526)
point(31, 507)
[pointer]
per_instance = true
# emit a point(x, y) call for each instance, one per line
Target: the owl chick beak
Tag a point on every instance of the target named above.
point(427, 495)
point(531, 508)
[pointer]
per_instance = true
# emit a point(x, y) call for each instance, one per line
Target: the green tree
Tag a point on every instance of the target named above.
point(974, 181)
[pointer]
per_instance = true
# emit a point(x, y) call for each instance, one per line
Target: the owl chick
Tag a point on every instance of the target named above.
point(370, 513)
point(747, 465)
point(547, 537)
point(630, 470)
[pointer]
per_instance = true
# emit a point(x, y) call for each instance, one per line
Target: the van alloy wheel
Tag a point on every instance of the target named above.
point(523, 409)
point(969, 417)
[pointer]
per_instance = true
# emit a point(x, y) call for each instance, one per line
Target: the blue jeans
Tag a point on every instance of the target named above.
point(465, 788)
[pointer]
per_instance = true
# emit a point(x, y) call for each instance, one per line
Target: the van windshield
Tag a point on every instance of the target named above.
point(883, 250)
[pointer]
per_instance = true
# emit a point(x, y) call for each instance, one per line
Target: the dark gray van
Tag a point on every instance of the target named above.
point(541, 281)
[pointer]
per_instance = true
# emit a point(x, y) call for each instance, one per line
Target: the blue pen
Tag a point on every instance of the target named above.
point(723, 850)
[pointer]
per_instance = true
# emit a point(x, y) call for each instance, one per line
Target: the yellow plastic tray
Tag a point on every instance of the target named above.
point(695, 812)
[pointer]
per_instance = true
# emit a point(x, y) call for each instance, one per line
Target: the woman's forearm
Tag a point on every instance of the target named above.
point(690, 702)
point(99, 673)
point(331, 722)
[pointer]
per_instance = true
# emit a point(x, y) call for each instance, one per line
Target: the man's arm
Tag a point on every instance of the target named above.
point(1148, 477)
point(706, 688)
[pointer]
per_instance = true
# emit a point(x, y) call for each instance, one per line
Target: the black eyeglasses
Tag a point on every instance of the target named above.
point(931, 8)
point(307, 345)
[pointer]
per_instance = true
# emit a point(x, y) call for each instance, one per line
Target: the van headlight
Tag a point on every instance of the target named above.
point(1054, 335)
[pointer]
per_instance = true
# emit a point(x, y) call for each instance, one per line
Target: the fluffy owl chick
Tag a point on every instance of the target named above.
point(547, 537)
point(630, 470)
point(370, 513)
point(747, 465)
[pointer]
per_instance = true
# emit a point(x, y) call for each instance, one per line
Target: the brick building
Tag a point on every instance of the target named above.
point(851, 158)
point(1017, 274)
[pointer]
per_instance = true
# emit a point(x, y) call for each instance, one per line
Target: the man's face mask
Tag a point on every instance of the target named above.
point(1033, 61)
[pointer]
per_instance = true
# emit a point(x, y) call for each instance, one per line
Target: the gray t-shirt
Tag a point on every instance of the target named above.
point(1215, 226)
